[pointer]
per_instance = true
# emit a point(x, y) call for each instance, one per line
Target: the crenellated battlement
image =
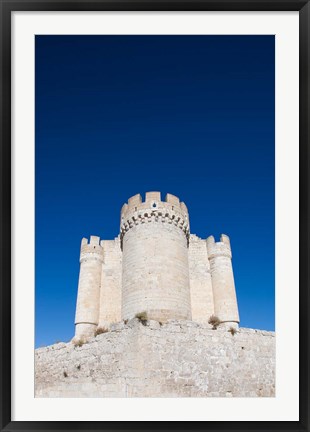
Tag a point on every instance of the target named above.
point(221, 248)
point(153, 202)
point(170, 211)
point(91, 250)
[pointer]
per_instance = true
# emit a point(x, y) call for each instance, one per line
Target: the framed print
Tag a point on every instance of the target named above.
point(154, 254)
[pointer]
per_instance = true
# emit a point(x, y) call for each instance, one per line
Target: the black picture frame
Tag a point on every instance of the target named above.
point(9, 6)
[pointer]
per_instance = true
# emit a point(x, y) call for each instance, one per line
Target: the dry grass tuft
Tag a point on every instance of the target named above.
point(233, 330)
point(214, 321)
point(142, 317)
point(100, 330)
point(79, 342)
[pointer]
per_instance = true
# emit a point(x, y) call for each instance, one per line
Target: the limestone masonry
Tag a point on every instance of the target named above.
point(175, 359)
point(142, 317)
point(155, 266)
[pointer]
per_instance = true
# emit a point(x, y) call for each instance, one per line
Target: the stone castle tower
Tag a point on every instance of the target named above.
point(155, 266)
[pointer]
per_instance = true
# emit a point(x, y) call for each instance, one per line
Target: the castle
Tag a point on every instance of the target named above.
point(155, 266)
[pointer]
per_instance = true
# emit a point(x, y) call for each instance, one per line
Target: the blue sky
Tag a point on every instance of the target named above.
point(120, 115)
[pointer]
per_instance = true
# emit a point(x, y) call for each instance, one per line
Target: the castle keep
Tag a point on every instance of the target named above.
point(155, 266)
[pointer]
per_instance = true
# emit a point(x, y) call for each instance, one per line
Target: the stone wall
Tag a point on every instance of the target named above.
point(155, 272)
point(176, 359)
point(202, 303)
point(111, 283)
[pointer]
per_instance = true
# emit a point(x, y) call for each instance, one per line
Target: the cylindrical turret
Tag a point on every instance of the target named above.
point(154, 240)
point(223, 285)
point(87, 307)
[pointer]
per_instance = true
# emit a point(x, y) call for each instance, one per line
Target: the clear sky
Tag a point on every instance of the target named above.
point(121, 115)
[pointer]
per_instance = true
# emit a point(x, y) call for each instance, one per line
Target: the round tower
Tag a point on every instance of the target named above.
point(223, 285)
point(154, 240)
point(87, 307)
